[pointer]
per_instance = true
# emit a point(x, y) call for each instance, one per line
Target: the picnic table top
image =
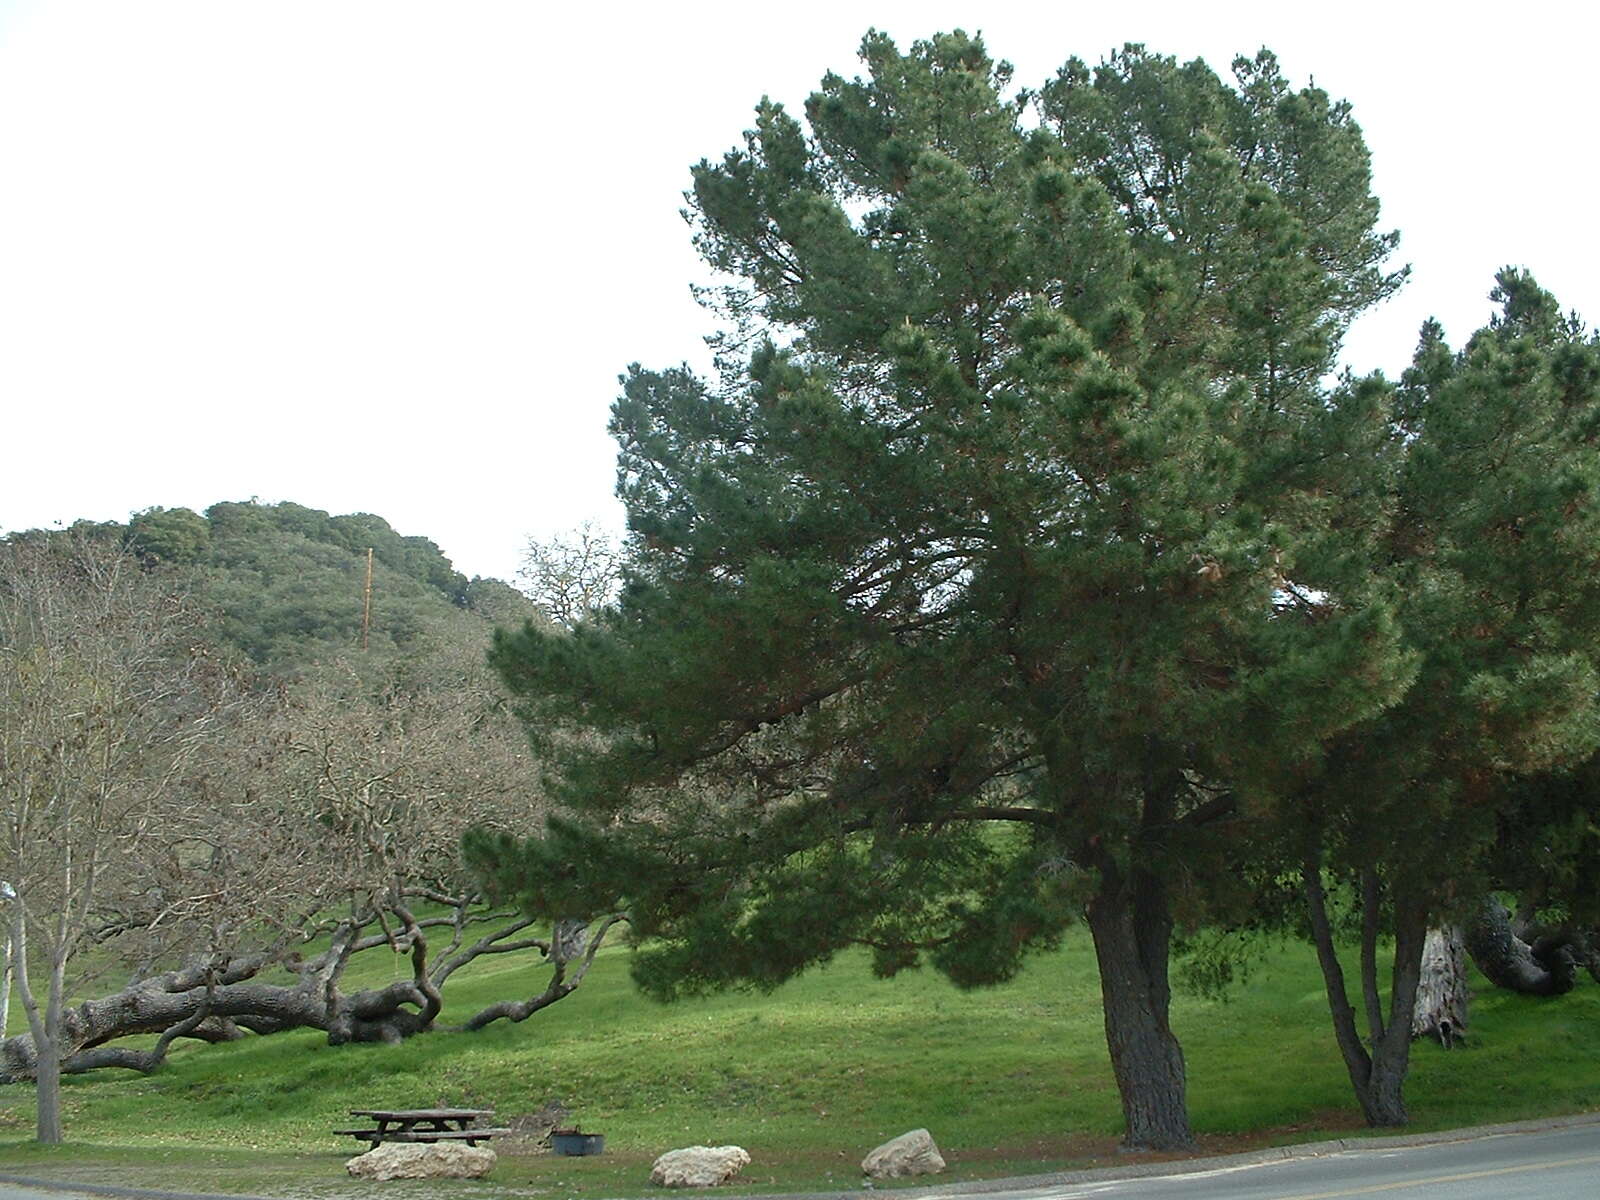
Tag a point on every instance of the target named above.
point(421, 1114)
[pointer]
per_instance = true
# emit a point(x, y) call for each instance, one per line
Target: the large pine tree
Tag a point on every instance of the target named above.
point(1009, 527)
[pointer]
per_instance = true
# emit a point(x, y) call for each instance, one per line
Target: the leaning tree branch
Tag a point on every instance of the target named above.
point(1546, 968)
point(219, 1000)
point(491, 943)
point(562, 983)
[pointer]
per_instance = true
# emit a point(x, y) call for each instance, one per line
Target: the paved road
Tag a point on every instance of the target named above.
point(21, 1191)
point(1551, 1164)
point(1561, 1164)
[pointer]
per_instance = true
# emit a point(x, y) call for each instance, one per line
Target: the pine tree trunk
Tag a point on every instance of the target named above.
point(1132, 930)
point(1383, 1101)
point(1357, 1062)
point(1441, 1008)
point(1509, 962)
point(1377, 1076)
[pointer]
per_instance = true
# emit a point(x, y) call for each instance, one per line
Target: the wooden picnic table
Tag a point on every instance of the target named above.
point(423, 1125)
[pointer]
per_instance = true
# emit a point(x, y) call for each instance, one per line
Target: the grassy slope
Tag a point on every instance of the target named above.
point(808, 1079)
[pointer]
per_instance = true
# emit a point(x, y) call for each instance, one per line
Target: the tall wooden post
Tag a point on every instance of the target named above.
point(366, 604)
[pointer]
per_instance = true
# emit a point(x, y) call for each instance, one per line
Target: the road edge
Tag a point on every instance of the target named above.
point(984, 1187)
point(1217, 1162)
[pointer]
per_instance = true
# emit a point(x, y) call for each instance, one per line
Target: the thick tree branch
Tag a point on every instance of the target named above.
point(564, 980)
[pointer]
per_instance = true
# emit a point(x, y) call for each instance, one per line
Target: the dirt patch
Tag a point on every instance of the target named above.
point(530, 1132)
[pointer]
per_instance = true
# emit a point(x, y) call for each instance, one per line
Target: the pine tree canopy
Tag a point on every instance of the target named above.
point(1027, 499)
point(1489, 553)
point(1024, 547)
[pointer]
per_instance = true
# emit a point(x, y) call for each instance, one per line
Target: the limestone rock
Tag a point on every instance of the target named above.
point(909, 1154)
point(422, 1160)
point(698, 1166)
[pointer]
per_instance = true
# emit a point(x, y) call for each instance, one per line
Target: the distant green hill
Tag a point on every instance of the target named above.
point(288, 582)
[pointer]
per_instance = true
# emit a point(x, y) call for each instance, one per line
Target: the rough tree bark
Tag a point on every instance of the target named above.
point(1548, 967)
point(1512, 952)
point(1132, 931)
point(1582, 944)
point(1442, 997)
point(1130, 920)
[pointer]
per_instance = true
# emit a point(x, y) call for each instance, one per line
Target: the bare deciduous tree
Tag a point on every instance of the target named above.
point(331, 816)
point(573, 575)
point(106, 698)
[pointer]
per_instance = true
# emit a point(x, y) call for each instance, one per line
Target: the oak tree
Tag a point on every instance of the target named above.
point(106, 698)
point(236, 838)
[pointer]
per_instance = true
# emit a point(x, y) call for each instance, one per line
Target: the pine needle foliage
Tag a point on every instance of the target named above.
point(1019, 514)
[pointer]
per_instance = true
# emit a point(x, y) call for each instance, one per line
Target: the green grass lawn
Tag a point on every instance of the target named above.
point(1011, 1080)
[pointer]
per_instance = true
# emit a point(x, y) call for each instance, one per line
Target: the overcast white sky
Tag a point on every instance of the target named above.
point(390, 257)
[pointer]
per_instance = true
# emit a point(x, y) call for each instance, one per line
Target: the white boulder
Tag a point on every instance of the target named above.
point(911, 1153)
point(698, 1166)
point(422, 1160)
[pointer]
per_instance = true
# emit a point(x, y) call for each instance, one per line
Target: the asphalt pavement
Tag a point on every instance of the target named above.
point(1550, 1160)
point(1557, 1164)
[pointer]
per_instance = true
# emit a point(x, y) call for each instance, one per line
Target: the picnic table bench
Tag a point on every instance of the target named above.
point(423, 1125)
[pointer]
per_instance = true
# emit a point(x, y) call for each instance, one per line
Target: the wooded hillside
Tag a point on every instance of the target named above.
point(222, 781)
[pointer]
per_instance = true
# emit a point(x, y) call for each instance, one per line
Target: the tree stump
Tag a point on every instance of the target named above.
point(1441, 1008)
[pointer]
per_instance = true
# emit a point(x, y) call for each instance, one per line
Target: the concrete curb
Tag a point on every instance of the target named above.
point(991, 1187)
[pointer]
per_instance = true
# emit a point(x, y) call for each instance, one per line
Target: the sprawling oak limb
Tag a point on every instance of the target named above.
point(221, 999)
point(1512, 951)
point(143, 1061)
